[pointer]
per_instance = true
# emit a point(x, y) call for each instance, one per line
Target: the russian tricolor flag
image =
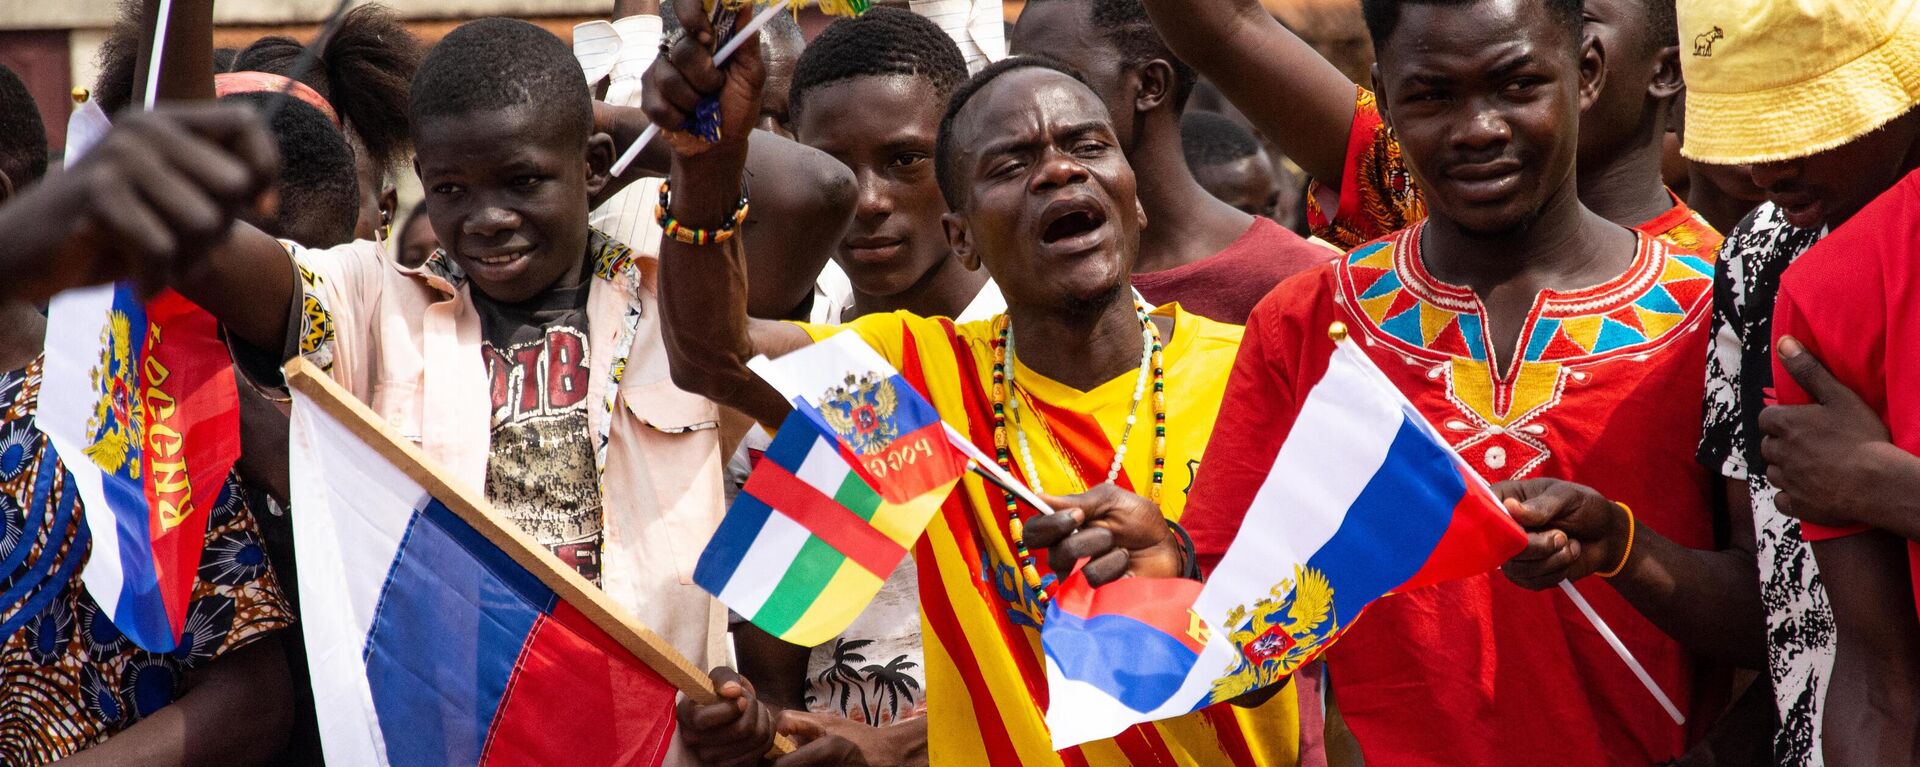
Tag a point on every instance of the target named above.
point(139, 399)
point(1364, 499)
point(431, 644)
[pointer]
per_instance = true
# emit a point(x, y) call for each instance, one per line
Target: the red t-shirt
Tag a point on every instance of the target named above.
point(1225, 286)
point(1854, 300)
point(1606, 392)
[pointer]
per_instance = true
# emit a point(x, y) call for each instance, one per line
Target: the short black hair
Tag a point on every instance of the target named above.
point(1126, 27)
point(1207, 138)
point(1384, 15)
point(880, 43)
point(495, 63)
point(23, 138)
point(319, 192)
point(952, 185)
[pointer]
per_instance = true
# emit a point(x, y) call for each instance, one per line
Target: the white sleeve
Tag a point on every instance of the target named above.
point(596, 44)
point(639, 44)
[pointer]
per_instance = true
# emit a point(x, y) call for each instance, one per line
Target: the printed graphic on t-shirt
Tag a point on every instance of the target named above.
point(541, 473)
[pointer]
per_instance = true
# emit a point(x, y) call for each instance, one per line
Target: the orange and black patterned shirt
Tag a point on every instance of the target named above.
point(1378, 196)
point(72, 679)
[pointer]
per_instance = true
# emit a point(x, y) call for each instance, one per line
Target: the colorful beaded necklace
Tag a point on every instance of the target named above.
point(1004, 399)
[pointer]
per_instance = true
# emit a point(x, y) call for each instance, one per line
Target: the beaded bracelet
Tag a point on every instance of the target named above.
point(693, 235)
point(1628, 552)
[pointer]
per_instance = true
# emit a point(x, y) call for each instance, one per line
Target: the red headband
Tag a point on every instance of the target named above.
point(229, 83)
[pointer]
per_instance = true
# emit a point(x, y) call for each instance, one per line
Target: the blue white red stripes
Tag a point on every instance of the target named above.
point(1362, 500)
point(429, 645)
point(139, 398)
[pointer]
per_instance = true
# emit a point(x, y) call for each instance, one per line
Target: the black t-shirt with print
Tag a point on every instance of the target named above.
point(541, 472)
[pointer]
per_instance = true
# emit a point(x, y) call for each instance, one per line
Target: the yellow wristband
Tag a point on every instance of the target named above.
point(1628, 552)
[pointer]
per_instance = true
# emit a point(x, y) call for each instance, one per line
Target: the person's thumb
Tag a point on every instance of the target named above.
point(1809, 373)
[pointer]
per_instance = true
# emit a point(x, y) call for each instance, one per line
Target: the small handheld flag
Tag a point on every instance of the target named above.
point(889, 433)
point(808, 542)
point(1363, 500)
point(140, 398)
point(858, 469)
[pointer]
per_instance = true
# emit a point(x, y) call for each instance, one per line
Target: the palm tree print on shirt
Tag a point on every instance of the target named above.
point(883, 692)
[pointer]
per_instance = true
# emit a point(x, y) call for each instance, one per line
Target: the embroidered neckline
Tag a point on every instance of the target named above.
point(1423, 316)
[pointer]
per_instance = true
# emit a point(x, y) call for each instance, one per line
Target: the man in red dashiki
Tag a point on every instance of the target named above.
point(1562, 354)
point(1605, 392)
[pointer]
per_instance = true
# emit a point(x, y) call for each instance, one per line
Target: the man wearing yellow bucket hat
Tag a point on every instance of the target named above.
point(1815, 98)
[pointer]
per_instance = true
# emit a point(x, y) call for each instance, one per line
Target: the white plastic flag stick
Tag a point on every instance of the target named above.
point(988, 469)
point(153, 61)
point(1613, 640)
point(760, 19)
point(1620, 648)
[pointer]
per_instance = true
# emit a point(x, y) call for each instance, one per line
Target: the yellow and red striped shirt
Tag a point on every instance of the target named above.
point(986, 679)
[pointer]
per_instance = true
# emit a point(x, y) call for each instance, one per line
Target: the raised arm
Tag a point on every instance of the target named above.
point(1297, 99)
point(155, 190)
point(703, 291)
point(243, 277)
point(802, 199)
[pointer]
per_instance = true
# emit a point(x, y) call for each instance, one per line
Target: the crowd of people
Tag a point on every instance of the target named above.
point(1641, 262)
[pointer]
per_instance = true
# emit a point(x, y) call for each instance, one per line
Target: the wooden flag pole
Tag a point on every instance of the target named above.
point(313, 383)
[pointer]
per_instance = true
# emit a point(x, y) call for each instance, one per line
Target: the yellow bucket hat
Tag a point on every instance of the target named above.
point(1771, 80)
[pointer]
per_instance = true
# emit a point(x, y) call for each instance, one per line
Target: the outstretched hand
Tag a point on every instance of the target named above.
point(687, 74)
point(1572, 531)
point(157, 188)
point(1825, 457)
point(1119, 533)
point(734, 731)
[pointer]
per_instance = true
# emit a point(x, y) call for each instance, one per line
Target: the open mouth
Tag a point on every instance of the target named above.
point(1071, 224)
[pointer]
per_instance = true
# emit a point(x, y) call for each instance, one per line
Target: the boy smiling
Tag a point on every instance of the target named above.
point(525, 356)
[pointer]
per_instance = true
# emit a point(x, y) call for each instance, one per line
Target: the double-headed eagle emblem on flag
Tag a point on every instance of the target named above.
point(115, 425)
point(861, 411)
point(1277, 634)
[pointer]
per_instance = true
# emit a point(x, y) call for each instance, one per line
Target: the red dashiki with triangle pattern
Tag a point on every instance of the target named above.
point(1604, 389)
point(1426, 319)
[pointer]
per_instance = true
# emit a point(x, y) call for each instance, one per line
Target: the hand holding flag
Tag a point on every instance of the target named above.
point(439, 633)
point(1573, 531)
point(1363, 500)
point(1116, 532)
